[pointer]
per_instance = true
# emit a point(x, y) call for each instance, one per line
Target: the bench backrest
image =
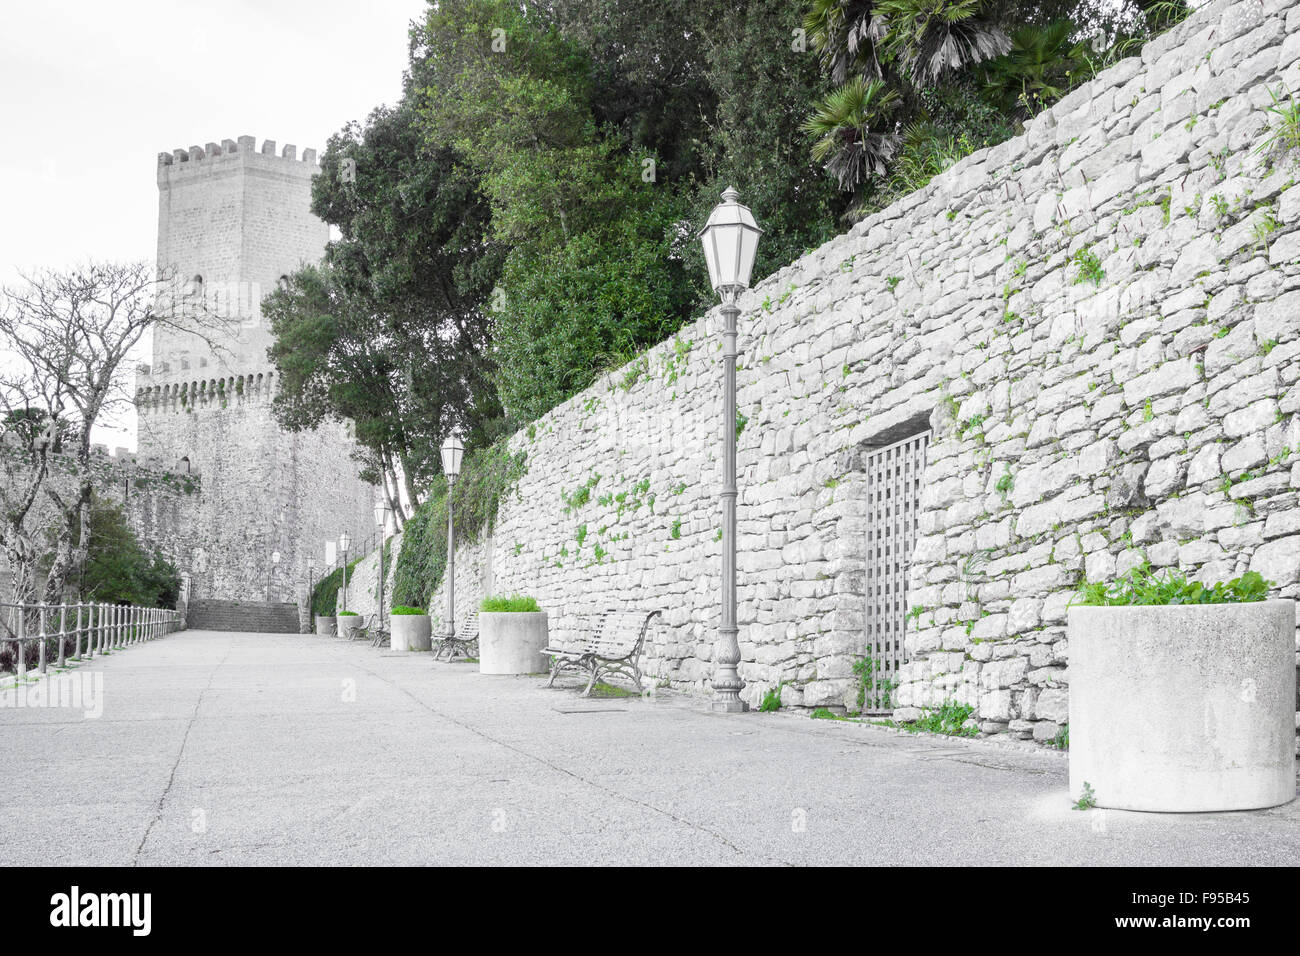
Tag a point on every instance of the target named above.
point(467, 630)
point(622, 632)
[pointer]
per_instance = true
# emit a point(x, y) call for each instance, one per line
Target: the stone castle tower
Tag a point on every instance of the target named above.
point(232, 221)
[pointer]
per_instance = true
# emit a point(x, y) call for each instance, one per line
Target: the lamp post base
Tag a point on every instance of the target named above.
point(728, 706)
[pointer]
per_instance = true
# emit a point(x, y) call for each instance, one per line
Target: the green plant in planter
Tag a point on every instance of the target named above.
point(1142, 586)
point(402, 609)
point(348, 614)
point(514, 603)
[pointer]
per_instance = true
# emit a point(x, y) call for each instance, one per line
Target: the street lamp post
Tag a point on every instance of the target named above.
point(270, 580)
point(311, 587)
point(730, 240)
point(452, 450)
point(382, 511)
point(344, 541)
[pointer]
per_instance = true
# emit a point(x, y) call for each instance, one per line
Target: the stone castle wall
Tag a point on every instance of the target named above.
point(264, 490)
point(158, 502)
point(1099, 320)
point(233, 220)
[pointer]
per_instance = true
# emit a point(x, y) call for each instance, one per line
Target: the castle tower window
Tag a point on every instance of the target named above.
point(194, 288)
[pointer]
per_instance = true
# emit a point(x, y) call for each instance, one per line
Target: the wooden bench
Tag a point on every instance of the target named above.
point(611, 644)
point(464, 641)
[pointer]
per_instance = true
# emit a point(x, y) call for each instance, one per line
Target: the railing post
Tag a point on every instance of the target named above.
point(77, 649)
point(22, 641)
point(41, 613)
point(63, 627)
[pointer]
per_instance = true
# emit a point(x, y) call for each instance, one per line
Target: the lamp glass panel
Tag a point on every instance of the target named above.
point(709, 242)
point(728, 253)
point(748, 250)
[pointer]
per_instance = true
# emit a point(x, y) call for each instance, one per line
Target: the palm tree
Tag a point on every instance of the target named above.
point(853, 136)
point(1039, 69)
point(845, 32)
point(931, 39)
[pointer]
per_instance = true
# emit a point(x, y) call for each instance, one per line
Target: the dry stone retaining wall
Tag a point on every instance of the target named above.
point(1098, 320)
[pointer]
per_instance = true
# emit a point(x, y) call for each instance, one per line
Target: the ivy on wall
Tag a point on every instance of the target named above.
point(487, 475)
point(325, 595)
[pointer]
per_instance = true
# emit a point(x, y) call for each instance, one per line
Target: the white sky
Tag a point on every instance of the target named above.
point(91, 91)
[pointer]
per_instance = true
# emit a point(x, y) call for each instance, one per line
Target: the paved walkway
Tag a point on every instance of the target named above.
point(220, 748)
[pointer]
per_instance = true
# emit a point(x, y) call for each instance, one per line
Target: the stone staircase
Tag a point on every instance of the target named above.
point(255, 616)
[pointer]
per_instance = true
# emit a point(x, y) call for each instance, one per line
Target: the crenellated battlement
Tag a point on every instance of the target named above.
point(109, 466)
point(243, 149)
point(197, 394)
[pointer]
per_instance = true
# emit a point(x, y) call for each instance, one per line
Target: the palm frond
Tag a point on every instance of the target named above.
point(854, 138)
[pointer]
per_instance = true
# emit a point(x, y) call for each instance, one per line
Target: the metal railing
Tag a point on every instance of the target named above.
point(85, 629)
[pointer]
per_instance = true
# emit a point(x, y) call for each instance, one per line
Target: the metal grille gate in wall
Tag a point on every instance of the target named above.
point(893, 503)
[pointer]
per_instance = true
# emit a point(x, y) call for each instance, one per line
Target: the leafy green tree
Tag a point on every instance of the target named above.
point(603, 133)
point(390, 331)
point(119, 570)
point(589, 278)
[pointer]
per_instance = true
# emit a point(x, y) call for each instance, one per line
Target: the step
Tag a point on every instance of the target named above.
point(256, 616)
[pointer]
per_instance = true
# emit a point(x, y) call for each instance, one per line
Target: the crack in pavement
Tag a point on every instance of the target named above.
point(700, 828)
point(180, 752)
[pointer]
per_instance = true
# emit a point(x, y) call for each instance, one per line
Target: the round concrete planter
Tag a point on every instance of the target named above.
point(511, 642)
point(1183, 708)
point(325, 626)
point(348, 625)
point(411, 632)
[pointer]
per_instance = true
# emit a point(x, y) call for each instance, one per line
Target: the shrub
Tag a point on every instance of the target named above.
point(1141, 586)
point(119, 569)
point(487, 475)
point(402, 609)
point(514, 603)
point(348, 614)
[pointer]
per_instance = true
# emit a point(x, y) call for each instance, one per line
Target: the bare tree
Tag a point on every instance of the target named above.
point(30, 432)
point(75, 331)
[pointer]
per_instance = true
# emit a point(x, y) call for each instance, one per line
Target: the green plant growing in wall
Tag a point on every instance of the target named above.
point(1005, 483)
point(875, 689)
point(1087, 800)
point(772, 699)
point(1284, 122)
point(1264, 227)
point(947, 720)
point(1089, 266)
point(580, 495)
point(636, 370)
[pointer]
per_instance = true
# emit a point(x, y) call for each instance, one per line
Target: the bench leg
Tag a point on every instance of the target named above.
point(595, 675)
point(557, 665)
